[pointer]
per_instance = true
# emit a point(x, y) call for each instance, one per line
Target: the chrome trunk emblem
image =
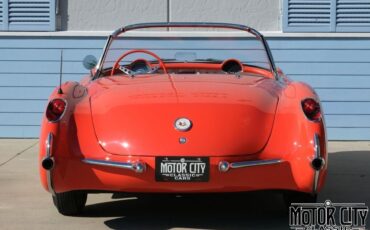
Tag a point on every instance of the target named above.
point(183, 124)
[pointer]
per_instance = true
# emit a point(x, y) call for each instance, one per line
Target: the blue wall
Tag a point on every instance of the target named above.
point(338, 68)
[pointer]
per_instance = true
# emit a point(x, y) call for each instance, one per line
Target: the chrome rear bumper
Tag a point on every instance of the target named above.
point(138, 167)
point(224, 166)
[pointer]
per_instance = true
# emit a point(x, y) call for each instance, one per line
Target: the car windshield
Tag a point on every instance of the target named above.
point(199, 46)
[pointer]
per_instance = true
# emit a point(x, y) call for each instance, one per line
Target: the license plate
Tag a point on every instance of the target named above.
point(182, 169)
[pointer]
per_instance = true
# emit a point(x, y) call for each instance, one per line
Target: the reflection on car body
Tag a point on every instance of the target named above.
point(183, 115)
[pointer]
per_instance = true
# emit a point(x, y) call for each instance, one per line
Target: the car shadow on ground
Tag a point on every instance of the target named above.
point(348, 181)
point(237, 211)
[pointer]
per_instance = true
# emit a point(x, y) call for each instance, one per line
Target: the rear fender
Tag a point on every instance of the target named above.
point(62, 131)
point(292, 136)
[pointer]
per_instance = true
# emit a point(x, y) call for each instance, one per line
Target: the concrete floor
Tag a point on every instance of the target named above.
point(25, 205)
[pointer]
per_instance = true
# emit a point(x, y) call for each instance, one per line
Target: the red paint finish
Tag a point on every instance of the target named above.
point(123, 119)
point(223, 111)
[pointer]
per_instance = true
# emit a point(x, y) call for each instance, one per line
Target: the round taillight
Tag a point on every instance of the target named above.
point(55, 109)
point(311, 109)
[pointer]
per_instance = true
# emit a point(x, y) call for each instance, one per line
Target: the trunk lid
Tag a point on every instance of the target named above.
point(230, 116)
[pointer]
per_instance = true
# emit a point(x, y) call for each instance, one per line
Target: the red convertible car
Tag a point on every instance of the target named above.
point(180, 115)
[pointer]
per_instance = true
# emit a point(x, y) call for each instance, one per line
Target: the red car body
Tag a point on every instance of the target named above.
point(254, 131)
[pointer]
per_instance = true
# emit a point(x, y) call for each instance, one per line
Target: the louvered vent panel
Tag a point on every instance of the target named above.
point(309, 13)
point(1, 12)
point(35, 12)
point(353, 13)
point(31, 15)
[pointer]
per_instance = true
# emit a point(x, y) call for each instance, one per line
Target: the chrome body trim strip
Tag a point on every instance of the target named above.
point(138, 167)
point(317, 155)
point(316, 145)
point(243, 164)
point(225, 166)
point(49, 176)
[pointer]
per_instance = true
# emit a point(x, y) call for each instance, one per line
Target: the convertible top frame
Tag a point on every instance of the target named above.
point(121, 30)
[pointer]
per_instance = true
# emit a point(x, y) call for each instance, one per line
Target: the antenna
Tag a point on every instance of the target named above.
point(60, 91)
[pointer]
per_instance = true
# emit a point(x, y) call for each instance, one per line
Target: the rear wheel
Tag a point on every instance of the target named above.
point(299, 197)
point(70, 203)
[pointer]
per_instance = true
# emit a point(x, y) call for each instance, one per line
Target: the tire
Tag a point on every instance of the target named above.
point(70, 203)
point(298, 197)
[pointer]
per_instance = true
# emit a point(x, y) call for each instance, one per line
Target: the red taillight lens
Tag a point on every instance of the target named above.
point(55, 109)
point(311, 109)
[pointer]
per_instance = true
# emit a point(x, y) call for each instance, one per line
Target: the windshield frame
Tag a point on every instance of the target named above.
point(118, 32)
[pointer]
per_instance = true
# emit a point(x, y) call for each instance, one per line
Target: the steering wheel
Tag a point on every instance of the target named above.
point(132, 73)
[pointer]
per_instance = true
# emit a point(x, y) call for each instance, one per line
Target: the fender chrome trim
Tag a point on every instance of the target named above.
point(224, 166)
point(49, 176)
point(138, 167)
point(317, 156)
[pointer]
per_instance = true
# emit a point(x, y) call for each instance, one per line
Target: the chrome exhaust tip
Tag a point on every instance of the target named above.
point(48, 163)
point(318, 163)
